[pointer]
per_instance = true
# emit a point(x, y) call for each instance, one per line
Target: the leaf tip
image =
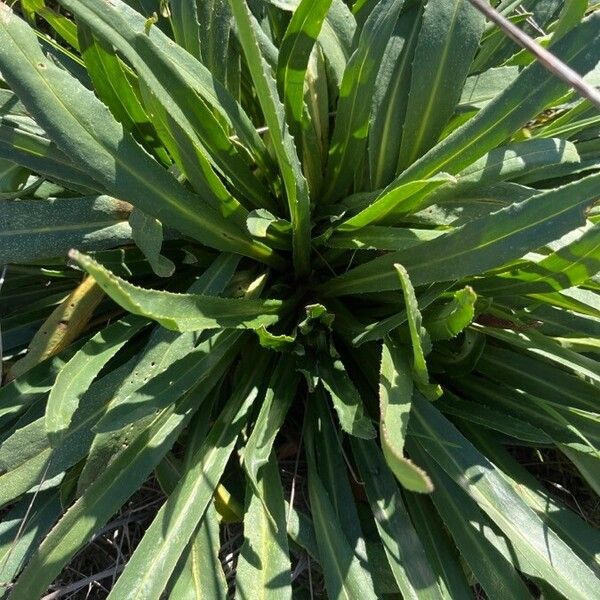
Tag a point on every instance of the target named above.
point(74, 255)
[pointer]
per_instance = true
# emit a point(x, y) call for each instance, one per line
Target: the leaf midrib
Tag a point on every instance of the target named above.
point(432, 95)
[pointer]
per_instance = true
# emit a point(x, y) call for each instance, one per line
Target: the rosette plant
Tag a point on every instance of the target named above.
point(324, 269)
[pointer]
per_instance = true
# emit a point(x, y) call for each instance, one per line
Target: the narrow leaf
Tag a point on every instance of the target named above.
point(421, 343)
point(157, 554)
point(448, 39)
point(346, 399)
point(480, 244)
point(283, 144)
point(410, 566)
point(545, 552)
point(395, 396)
point(294, 53)
point(77, 375)
point(279, 396)
point(474, 535)
point(354, 107)
point(35, 229)
point(85, 130)
point(186, 29)
point(263, 568)
point(182, 312)
point(528, 95)
point(103, 498)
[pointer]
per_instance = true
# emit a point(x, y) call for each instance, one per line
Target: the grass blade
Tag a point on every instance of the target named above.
point(157, 554)
point(77, 375)
point(480, 245)
point(263, 569)
point(545, 552)
point(395, 395)
point(182, 312)
point(291, 171)
point(31, 229)
point(447, 42)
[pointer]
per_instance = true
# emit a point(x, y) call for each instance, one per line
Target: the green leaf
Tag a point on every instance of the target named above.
point(345, 577)
point(448, 39)
point(570, 265)
point(537, 344)
point(336, 41)
point(379, 237)
point(77, 375)
point(404, 552)
point(263, 568)
point(403, 198)
point(32, 149)
point(201, 576)
point(171, 88)
point(26, 442)
point(479, 245)
point(24, 143)
point(323, 437)
point(182, 380)
point(30, 387)
point(137, 393)
point(294, 52)
point(272, 341)
point(182, 312)
point(538, 378)
point(35, 229)
point(278, 399)
point(570, 16)
point(84, 128)
point(480, 89)
point(147, 233)
point(104, 497)
point(448, 320)
point(32, 518)
point(215, 29)
point(472, 531)
point(157, 554)
point(580, 535)
point(540, 547)
point(379, 329)
point(283, 144)
point(421, 343)
point(142, 398)
point(391, 96)
point(587, 464)
point(509, 162)
point(354, 105)
point(528, 95)
point(395, 396)
point(13, 177)
point(345, 397)
point(483, 412)
point(517, 412)
point(439, 548)
point(186, 28)
point(114, 85)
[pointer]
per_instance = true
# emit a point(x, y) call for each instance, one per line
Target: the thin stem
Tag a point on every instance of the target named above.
point(546, 58)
